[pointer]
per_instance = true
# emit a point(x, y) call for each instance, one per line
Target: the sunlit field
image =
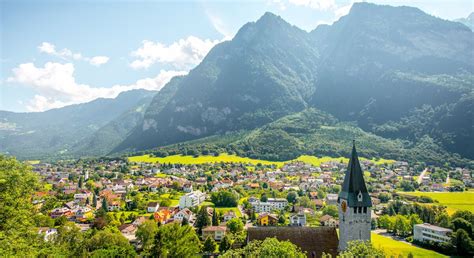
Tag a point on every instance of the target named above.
point(188, 160)
point(393, 248)
point(452, 200)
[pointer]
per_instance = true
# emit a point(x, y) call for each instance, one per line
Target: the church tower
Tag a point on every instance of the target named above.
point(354, 205)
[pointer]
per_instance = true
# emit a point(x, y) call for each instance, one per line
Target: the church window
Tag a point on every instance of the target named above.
point(365, 209)
point(355, 209)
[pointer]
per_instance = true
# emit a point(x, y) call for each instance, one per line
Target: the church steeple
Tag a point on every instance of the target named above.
point(354, 205)
point(353, 188)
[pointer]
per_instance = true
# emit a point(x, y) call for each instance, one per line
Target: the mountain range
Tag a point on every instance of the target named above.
point(395, 78)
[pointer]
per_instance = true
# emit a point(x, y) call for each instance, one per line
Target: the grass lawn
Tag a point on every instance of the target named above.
point(235, 209)
point(452, 200)
point(395, 248)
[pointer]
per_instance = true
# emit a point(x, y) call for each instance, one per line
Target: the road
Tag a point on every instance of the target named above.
point(420, 178)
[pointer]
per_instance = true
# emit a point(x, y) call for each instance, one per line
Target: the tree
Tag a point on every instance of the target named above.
point(146, 233)
point(385, 197)
point(174, 240)
point(104, 204)
point(462, 241)
point(94, 201)
point(291, 197)
point(306, 202)
point(281, 218)
point(362, 249)
point(402, 226)
point(209, 245)
point(460, 223)
point(224, 245)
point(215, 219)
point(235, 225)
point(330, 210)
point(81, 182)
point(18, 237)
point(202, 219)
point(443, 220)
point(225, 198)
point(264, 198)
point(270, 247)
point(110, 239)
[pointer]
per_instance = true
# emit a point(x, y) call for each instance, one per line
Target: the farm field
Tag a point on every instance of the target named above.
point(395, 248)
point(187, 160)
point(452, 200)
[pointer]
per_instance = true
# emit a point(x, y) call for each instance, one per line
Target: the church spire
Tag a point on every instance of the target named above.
point(354, 189)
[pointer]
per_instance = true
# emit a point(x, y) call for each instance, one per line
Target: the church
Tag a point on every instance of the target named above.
point(354, 205)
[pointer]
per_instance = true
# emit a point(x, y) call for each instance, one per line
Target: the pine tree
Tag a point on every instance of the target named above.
point(224, 245)
point(209, 245)
point(81, 182)
point(104, 204)
point(202, 219)
point(215, 219)
point(94, 201)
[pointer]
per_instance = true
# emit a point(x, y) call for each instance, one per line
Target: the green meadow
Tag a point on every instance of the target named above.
point(188, 160)
point(452, 200)
point(393, 248)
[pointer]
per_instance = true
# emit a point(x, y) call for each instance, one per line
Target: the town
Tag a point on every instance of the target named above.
point(229, 204)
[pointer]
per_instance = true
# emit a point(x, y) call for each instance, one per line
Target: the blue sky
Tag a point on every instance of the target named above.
point(57, 53)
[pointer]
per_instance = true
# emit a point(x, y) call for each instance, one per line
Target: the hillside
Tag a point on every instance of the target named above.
point(310, 132)
point(379, 68)
point(64, 132)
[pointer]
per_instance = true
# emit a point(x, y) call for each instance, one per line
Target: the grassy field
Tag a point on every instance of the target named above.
point(175, 159)
point(395, 248)
point(188, 160)
point(452, 200)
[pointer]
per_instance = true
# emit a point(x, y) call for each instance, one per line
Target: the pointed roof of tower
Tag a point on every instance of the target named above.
point(354, 189)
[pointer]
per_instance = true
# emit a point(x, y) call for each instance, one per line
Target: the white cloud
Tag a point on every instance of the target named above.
point(56, 86)
point(98, 60)
point(67, 54)
point(315, 4)
point(219, 25)
point(182, 54)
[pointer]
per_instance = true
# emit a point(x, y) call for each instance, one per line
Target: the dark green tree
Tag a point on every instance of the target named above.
point(224, 244)
point(215, 218)
point(209, 245)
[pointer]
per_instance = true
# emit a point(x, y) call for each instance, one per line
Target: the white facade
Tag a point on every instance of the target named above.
point(270, 205)
point(298, 219)
point(191, 199)
point(427, 232)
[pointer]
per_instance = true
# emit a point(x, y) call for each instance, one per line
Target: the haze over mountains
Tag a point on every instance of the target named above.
point(397, 78)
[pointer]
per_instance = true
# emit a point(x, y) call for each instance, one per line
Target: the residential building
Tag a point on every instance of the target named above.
point(328, 221)
point(229, 215)
point(298, 219)
point(266, 219)
point(216, 232)
point(152, 207)
point(427, 232)
point(191, 199)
